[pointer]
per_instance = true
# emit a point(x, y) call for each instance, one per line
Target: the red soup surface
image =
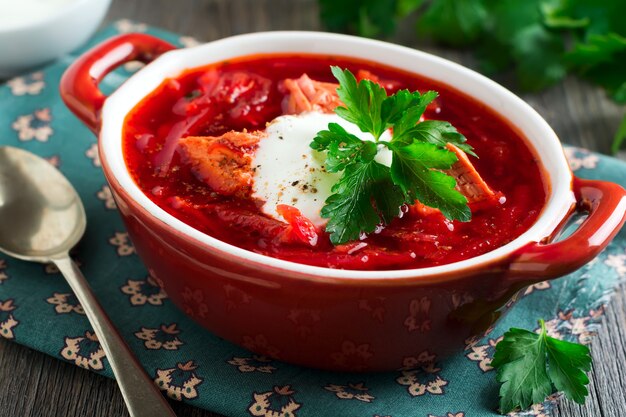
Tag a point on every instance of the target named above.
point(244, 94)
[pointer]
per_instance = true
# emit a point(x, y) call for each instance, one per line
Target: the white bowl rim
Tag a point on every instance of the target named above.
point(553, 161)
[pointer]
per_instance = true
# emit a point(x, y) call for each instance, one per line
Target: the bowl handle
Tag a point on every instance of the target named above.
point(79, 84)
point(606, 204)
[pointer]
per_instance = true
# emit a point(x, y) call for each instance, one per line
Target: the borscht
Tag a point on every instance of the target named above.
point(226, 148)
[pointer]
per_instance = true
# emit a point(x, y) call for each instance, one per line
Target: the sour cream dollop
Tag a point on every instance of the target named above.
point(288, 171)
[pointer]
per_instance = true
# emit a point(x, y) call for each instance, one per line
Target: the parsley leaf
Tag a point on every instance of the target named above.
point(601, 59)
point(595, 17)
point(538, 55)
point(350, 208)
point(555, 16)
point(435, 132)
point(370, 194)
point(405, 7)
point(531, 365)
point(363, 102)
point(411, 171)
point(343, 148)
point(407, 111)
point(514, 35)
point(620, 136)
point(567, 364)
point(366, 17)
point(453, 22)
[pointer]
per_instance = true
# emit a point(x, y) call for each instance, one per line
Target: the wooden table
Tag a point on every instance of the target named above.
point(34, 384)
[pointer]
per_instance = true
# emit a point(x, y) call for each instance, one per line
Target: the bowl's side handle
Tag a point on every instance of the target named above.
point(79, 84)
point(605, 202)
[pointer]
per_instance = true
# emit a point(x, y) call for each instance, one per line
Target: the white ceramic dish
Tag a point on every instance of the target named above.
point(42, 38)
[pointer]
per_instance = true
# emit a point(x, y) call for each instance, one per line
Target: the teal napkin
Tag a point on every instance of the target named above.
point(190, 364)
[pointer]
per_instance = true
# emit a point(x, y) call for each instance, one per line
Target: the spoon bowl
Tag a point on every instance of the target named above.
point(41, 215)
point(41, 219)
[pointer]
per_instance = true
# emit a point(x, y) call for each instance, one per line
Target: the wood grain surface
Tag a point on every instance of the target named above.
point(33, 384)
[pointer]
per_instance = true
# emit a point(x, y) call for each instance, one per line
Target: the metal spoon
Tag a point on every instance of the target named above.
point(41, 219)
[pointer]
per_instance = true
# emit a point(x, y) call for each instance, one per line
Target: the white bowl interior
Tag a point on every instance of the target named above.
point(538, 133)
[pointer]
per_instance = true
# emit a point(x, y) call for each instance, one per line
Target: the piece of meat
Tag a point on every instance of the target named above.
point(422, 210)
point(389, 85)
point(222, 162)
point(304, 94)
point(468, 180)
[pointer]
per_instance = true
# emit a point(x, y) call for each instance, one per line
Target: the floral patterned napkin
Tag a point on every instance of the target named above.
point(188, 363)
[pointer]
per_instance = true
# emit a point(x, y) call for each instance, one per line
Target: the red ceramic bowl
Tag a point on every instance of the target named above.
point(327, 318)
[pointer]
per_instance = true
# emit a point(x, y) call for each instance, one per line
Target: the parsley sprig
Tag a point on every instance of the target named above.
point(540, 40)
point(369, 193)
point(532, 366)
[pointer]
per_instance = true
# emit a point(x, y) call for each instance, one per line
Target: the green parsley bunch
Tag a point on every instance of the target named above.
point(369, 193)
point(540, 40)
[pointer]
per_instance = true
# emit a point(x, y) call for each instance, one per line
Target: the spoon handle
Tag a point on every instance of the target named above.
point(141, 395)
